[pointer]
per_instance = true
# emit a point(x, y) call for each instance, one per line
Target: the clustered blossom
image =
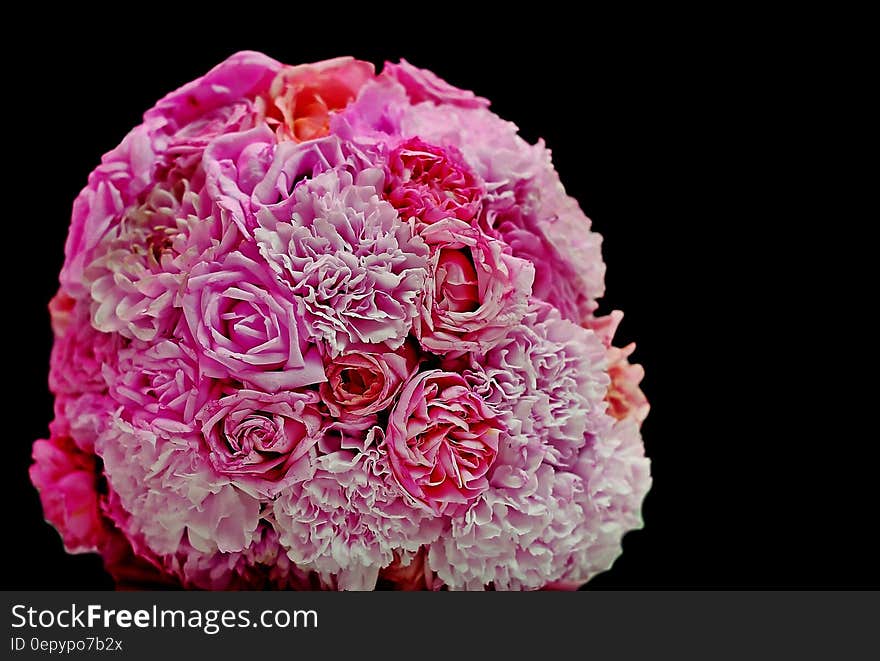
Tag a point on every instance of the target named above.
point(320, 328)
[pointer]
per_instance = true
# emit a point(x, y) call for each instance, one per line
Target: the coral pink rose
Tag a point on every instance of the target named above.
point(431, 183)
point(302, 97)
point(625, 398)
point(362, 383)
point(66, 479)
point(441, 441)
point(261, 440)
point(477, 292)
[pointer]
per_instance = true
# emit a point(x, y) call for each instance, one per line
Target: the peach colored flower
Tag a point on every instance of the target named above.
point(302, 98)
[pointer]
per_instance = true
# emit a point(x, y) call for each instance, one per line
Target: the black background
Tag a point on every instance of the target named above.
point(678, 146)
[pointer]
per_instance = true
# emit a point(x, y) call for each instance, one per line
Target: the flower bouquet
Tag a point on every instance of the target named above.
point(319, 328)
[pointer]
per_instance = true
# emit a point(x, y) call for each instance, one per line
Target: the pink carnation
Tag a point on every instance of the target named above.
point(170, 493)
point(142, 263)
point(350, 519)
point(542, 224)
point(355, 269)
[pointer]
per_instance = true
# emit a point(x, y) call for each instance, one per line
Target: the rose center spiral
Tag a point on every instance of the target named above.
point(261, 433)
point(246, 325)
point(456, 278)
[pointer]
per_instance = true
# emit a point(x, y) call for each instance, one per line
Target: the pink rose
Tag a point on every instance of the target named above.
point(423, 85)
point(247, 328)
point(431, 183)
point(264, 441)
point(219, 102)
point(66, 479)
point(159, 384)
point(477, 292)
point(248, 172)
point(302, 98)
point(441, 441)
point(361, 383)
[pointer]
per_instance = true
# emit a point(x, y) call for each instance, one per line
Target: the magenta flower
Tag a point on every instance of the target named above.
point(432, 183)
point(67, 480)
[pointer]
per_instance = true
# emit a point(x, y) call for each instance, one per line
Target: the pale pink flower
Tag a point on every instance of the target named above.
point(247, 327)
point(83, 417)
point(170, 493)
point(262, 442)
point(142, 263)
point(356, 269)
point(423, 85)
point(349, 520)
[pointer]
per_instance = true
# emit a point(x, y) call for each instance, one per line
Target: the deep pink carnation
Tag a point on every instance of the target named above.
point(431, 183)
point(323, 329)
